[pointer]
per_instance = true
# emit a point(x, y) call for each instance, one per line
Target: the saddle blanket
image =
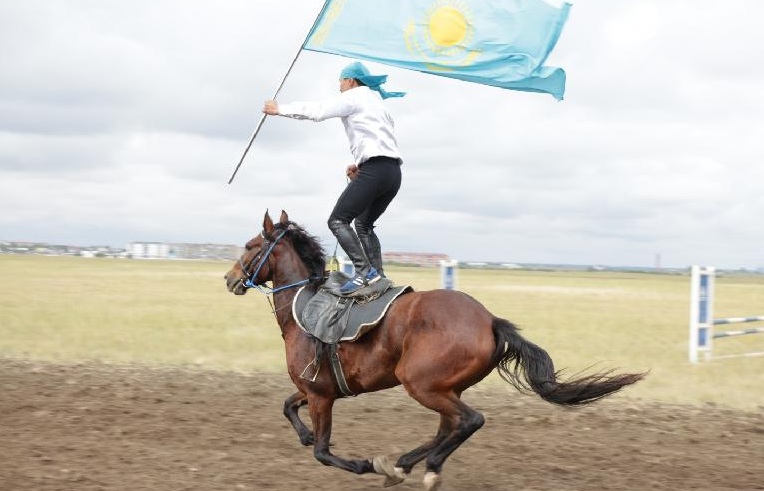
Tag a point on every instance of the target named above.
point(332, 318)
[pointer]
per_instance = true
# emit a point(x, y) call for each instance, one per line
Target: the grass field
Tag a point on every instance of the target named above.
point(179, 313)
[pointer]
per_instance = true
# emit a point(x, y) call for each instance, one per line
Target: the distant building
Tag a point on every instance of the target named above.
point(204, 251)
point(174, 250)
point(148, 250)
point(137, 250)
point(39, 248)
point(415, 258)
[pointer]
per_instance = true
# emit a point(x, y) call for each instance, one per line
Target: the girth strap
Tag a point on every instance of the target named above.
point(310, 372)
point(339, 375)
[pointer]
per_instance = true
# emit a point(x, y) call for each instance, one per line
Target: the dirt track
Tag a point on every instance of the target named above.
point(102, 427)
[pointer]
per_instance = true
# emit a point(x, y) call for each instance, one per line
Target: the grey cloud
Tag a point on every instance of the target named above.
point(133, 115)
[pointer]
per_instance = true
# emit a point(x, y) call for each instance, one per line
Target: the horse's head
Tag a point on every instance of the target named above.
point(254, 266)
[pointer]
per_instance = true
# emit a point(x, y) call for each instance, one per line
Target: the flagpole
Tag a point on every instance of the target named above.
point(275, 95)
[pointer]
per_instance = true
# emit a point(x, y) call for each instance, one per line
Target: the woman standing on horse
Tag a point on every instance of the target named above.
point(375, 175)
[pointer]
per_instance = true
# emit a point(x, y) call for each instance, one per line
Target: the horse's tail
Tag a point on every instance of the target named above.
point(529, 368)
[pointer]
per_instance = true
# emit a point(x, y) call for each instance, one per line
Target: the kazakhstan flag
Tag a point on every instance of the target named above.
point(503, 43)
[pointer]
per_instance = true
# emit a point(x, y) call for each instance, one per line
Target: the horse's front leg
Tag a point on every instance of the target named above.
point(321, 415)
point(291, 408)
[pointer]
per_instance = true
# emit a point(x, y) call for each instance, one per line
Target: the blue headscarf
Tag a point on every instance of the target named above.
point(358, 71)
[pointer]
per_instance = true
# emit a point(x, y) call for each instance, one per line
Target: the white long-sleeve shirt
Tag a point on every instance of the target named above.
point(369, 127)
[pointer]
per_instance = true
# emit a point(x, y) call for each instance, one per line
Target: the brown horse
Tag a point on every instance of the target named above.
point(435, 343)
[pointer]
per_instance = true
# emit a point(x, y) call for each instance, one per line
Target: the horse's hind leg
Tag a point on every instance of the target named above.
point(463, 421)
point(321, 415)
point(407, 461)
point(291, 408)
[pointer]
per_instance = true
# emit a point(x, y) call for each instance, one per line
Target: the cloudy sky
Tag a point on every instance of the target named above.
point(122, 121)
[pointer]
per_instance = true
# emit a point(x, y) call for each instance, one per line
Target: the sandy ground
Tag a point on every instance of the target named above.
point(102, 427)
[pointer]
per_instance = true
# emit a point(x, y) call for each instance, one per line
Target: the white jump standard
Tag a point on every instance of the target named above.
point(702, 320)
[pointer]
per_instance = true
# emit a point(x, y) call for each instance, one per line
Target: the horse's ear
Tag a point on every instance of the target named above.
point(267, 223)
point(284, 220)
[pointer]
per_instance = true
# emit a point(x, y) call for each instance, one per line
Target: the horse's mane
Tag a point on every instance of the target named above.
point(307, 248)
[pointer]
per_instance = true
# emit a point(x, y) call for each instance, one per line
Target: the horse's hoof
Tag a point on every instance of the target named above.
point(307, 439)
point(432, 481)
point(391, 481)
point(392, 475)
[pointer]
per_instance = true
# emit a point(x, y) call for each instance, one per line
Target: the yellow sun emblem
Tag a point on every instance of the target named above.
point(448, 26)
point(443, 38)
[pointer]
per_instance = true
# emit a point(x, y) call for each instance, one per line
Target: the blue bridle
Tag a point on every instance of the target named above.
point(263, 258)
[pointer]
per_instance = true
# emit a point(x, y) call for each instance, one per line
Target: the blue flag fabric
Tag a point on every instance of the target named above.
point(499, 43)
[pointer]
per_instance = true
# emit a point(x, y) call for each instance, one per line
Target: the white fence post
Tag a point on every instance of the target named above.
point(701, 312)
point(448, 274)
point(346, 266)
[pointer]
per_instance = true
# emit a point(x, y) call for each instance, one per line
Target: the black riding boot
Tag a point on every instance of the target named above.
point(371, 247)
point(350, 243)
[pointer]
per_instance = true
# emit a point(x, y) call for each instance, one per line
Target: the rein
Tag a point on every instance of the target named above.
point(251, 278)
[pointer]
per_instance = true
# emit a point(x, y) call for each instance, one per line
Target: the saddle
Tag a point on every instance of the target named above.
point(332, 318)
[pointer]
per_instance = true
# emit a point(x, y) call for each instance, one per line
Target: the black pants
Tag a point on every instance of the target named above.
point(364, 200)
point(367, 197)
